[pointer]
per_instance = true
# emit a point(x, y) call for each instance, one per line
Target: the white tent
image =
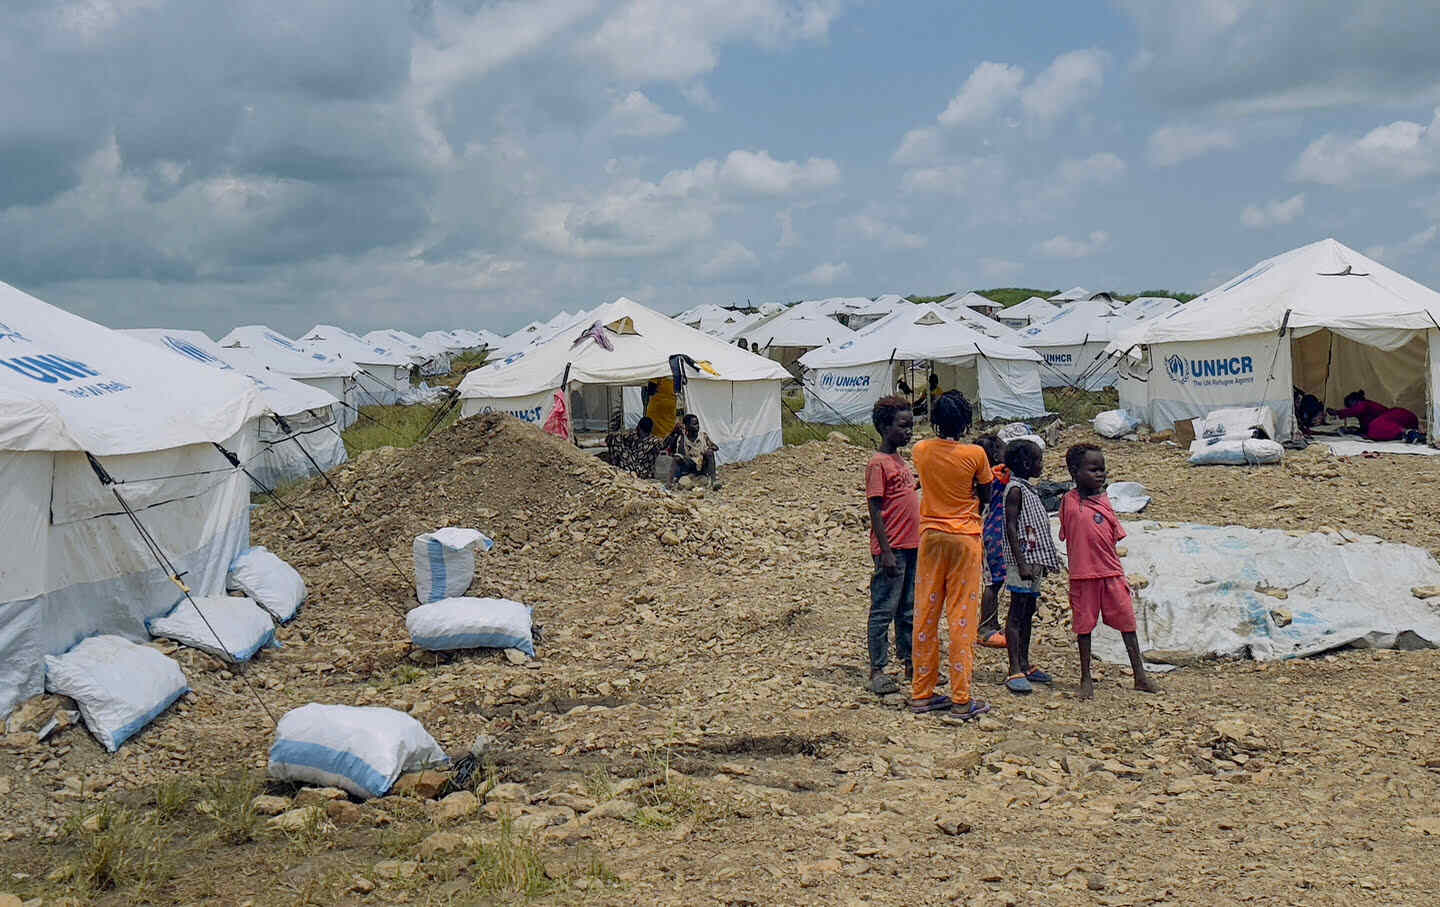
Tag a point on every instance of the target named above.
point(73, 563)
point(863, 314)
point(738, 405)
point(787, 336)
point(843, 380)
point(1073, 343)
point(1024, 314)
point(695, 316)
point(433, 359)
point(1143, 307)
point(1322, 317)
point(384, 372)
point(286, 357)
point(971, 300)
point(1074, 294)
point(304, 437)
point(453, 342)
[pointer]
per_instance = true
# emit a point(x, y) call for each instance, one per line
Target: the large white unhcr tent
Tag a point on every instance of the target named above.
point(1023, 314)
point(843, 380)
point(73, 563)
point(286, 357)
point(790, 334)
point(432, 359)
point(384, 373)
point(297, 436)
point(735, 394)
point(1323, 318)
point(1073, 345)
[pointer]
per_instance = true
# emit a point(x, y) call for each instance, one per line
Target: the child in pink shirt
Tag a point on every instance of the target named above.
point(1098, 588)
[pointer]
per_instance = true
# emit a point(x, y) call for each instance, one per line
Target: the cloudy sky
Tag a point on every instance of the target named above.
point(181, 163)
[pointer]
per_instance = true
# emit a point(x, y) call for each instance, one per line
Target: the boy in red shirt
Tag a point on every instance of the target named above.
point(1098, 588)
point(890, 487)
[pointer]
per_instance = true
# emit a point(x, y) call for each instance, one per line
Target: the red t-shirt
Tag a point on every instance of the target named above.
point(1090, 529)
point(1366, 411)
point(890, 478)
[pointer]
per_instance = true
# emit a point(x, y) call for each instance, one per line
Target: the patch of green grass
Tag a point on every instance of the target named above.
point(1079, 406)
point(798, 432)
point(394, 426)
point(236, 821)
point(509, 864)
point(673, 799)
point(173, 796)
point(125, 851)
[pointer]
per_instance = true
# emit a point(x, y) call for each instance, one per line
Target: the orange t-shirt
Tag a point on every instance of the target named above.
point(949, 472)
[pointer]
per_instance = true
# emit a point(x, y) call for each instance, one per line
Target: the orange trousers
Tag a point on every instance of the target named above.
point(947, 579)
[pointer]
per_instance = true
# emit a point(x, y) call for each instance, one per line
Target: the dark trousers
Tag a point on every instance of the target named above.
point(892, 600)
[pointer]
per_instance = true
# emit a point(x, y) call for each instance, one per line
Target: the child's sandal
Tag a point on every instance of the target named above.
point(1017, 684)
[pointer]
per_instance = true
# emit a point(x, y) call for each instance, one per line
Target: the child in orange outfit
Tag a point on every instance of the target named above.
point(1098, 588)
point(955, 480)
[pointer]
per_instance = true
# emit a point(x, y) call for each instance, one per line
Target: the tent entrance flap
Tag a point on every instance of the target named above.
point(1330, 365)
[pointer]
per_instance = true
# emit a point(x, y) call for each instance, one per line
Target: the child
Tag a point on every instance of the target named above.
point(993, 537)
point(956, 478)
point(1029, 554)
point(894, 540)
point(1098, 587)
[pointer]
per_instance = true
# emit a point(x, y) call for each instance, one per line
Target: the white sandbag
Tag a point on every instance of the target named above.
point(445, 562)
point(471, 623)
point(1254, 452)
point(360, 749)
point(120, 686)
point(1114, 423)
point(1127, 497)
point(268, 581)
point(1014, 430)
point(232, 629)
point(1236, 424)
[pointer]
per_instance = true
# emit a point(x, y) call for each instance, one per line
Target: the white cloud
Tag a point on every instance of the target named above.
point(788, 237)
point(988, 88)
point(1171, 145)
point(1096, 169)
point(1407, 248)
point(1396, 153)
point(956, 179)
point(919, 146)
point(1064, 247)
point(730, 260)
point(661, 40)
point(637, 115)
point(1273, 213)
point(698, 93)
point(1072, 78)
point(824, 274)
point(757, 173)
point(883, 232)
point(999, 268)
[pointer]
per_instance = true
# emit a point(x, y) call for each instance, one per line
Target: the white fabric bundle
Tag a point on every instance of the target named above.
point(119, 685)
point(445, 562)
point(230, 628)
point(1255, 452)
point(471, 623)
point(268, 581)
point(1114, 423)
point(359, 749)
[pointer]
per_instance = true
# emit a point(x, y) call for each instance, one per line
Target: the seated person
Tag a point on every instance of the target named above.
point(1309, 411)
point(1377, 421)
point(693, 451)
point(635, 451)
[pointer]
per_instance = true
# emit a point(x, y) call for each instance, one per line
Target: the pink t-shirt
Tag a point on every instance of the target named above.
point(890, 478)
point(1090, 529)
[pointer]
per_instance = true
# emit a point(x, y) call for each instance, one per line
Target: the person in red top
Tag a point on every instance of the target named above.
point(1377, 421)
point(1098, 588)
point(890, 488)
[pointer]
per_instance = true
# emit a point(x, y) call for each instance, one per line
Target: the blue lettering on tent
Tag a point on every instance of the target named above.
point(1218, 371)
point(12, 335)
point(49, 368)
point(186, 348)
point(532, 414)
point(1060, 358)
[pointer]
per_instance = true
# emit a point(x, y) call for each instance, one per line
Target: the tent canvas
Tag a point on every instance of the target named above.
point(1073, 343)
point(74, 565)
point(384, 372)
point(739, 406)
point(433, 359)
point(1074, 294)
point(971, 300)
point(843, 380)
point(284, 356)
point(787, 336)
point(1024, 314)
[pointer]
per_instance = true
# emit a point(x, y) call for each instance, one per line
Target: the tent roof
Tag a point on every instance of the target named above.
point(1076, 323)
point(970, 300)
point(72, 384)
point(1142, 307)
point(1074, 294)
point(339, 342)
point(982, 323)
point(635, 358)
point(419, 351)
point(795, 327)
point(453, 341)
point(1322, 285)
point(286, 356)
point(1034, 307)
point(916, 332)
point(282, 395)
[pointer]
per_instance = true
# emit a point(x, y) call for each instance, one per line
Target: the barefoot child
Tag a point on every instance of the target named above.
point(1090, 529)
point(1029, 554)
point(992, 535)
point(956, 478)
point(894, 539)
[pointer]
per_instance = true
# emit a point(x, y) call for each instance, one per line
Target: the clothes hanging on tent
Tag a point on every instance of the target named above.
point(558, 423)
point(662, 408)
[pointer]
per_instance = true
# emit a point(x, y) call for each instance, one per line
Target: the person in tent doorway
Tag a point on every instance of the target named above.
point(1377, 421)
point(693, 451)
point(992, 536)
point(662, 407)
point(1029, 555)
point(1098, 588)
point(890, 490)
point(956, 479)
point(635, 451)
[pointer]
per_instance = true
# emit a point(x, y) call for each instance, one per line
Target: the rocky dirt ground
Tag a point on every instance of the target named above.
point(695, 729)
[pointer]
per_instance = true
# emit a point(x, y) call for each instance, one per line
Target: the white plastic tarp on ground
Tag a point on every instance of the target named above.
point(1202, 596)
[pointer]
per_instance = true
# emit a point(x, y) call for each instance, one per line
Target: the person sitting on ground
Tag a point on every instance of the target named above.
point(1029, 555)
point(992, 536)
point(693, 451)
point(1098, 587)
point(1377, 421)
point(635, 451)
point(1309, 411)
point(661, 407)
point(890, 491)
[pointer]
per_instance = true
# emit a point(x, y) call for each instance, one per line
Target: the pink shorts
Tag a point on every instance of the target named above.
point(1107, 597)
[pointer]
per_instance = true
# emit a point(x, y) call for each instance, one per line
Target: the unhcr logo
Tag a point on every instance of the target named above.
point(1221, 370)
point(12, 335)
point(1060, 358)
point(186, 348)
point(845, 382)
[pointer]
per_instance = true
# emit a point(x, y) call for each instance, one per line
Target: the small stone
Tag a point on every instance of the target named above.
point(543, 818)
point(1137, 582)
point(458, 805)
point(1429, 826)
point(362, 885)
point(424, 785)
point(734, 768)
point(508, 793)
point(483, 744)
point(1426, 591)
point(297, 819)
point(92, 823)
point(441, 842)
point(1180, 786)
point(516, 657)
point(953, 826)
point(838, 437)
point(669, 537)
point(1096, 882)
point(572, 801)
point(318, 796)
point(266, 805)
point(396, 869)
point(613, 809)
point(1283, 617)
point(1233, 729)
point(343, 812)
point(9, 900)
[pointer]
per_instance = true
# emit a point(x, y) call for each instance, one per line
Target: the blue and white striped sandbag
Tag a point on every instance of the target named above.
point(471, 623)
point(359, 749)
point(232, 628)
point(445, 562)
point(120, 686)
